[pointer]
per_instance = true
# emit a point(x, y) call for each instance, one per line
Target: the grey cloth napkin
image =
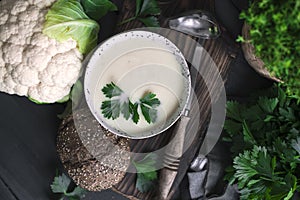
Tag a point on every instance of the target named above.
point(205, 177)
point(197, 184)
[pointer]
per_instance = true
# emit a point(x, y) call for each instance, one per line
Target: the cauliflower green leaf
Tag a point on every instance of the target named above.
point(66, 19)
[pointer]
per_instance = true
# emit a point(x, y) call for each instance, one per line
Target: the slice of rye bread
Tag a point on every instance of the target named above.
point(93, 157)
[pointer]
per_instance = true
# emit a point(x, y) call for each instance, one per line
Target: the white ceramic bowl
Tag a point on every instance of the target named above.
point(96, 68)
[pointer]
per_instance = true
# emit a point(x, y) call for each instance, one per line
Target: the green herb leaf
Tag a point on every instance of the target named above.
point(120, 103)
point(150, 100)
point(96, 9)
point(149, 21)
point(60, 184)
point(268, 104)
point(135, 114)
point(146, 164)
point(232, 126)
point(148, 105)
point(77, 192)
point(254, 171)
point(126, 109)
point(146, 172)
point(111, 90)
point(138, 5)
point(149, 114)
point(248, 136)
point(146, 11)
point(143, 184)
point(66, 19)
point(149, 7)
point(240, 39)
point(233, 109)
point(111, 109)
point(296, 145)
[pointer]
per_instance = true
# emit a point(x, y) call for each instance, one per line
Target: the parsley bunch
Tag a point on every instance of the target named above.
point(275, 36)
point(265, 136)
point(119, 103)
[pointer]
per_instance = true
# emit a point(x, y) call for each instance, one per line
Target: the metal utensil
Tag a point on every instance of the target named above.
point(197, 23)
point(201, 25)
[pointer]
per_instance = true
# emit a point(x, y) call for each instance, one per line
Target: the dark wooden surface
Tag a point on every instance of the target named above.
point(222, 50)
point(28, 158)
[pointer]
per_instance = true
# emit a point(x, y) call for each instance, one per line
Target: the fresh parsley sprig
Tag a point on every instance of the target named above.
point(146, 12)
point(146, 172)
point(61, 185)
point(119, 103)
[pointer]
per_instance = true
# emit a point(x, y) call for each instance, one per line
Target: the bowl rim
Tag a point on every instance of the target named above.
point(88, 68)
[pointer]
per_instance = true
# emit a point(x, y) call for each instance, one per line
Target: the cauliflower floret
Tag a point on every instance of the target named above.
point(8, 84)
point(12, 53)
point(19, 6)
point(42, 3)
point(36, 57)
point(32, 64)
point(45, 93)
point(3, 17)
point(60, 76)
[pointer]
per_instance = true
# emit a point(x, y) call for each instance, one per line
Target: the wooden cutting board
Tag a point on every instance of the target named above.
point(222, 50)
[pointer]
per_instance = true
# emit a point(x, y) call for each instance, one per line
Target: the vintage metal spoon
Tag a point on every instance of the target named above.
point(196, 23)
point(201, 25)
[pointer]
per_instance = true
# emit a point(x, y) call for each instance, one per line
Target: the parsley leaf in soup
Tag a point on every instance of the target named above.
point(119, 103)
point(148, 104)
point(111, 108)
point(111, 90)
point(135, 114)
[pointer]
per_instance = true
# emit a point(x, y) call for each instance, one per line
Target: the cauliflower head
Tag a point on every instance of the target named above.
point(32, 64)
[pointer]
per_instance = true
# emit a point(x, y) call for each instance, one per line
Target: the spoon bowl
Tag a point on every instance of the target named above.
point(197, 23)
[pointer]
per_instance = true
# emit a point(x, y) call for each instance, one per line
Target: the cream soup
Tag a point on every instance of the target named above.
point(139, 66)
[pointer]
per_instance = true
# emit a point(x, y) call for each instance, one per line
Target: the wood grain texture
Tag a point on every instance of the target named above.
point(222, 50)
